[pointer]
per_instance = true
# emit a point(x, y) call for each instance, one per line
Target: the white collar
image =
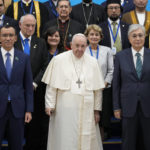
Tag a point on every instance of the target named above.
point(23, 37)
point(110, 21)
point(1, 17)
point(141, 51)
point(26, 2)
point(5, 51)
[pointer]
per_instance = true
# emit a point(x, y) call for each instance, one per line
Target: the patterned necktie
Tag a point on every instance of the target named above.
point(26, 47)
point(8, 65)
point(117, 43)
point(138, 65)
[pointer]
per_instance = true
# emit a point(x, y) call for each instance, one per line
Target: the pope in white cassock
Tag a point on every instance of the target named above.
point(73, 99)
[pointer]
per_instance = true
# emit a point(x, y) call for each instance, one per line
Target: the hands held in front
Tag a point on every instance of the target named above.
point(49, 111)
point(117, 114)
point(96, 116)
point(28, 117)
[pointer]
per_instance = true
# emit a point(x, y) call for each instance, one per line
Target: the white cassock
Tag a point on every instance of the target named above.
point(72, 125)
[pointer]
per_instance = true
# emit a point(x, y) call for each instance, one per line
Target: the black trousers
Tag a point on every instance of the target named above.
point(36, 131)
point(136, 129)
point(106, 108)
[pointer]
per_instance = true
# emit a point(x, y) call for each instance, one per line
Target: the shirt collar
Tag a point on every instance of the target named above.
point(1, 17)
point(26, 2)
point(23, 37)
point(141, 51)
point(5, 51)
point(110, 21)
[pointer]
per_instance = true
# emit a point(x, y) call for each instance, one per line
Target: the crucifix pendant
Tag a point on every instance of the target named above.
point(78, 82)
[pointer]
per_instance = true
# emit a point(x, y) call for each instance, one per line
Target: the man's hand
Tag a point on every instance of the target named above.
point(28, 117)
point(49, 111)
point(117, 114)
point(97, 116)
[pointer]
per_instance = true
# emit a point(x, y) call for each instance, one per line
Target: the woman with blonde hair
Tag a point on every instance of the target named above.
point(104, 57)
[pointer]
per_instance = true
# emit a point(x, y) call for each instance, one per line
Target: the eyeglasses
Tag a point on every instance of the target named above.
point(134, 36)
point(116, 8)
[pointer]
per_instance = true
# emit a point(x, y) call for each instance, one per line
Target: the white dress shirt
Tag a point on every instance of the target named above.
point(141, 18)
point(135, 57)
point(23, 37)
point(5, 57)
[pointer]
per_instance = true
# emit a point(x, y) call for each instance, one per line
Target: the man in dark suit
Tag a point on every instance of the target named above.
point(131, 84)
point(4, 19)
point(118, 40)
point(67, 26)
point(35, 47)
point(88, 13)
point(147, 41)
point(16, 91)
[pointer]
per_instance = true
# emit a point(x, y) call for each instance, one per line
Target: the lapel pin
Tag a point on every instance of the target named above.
point(16, 58)
point(35, 46)
point(34, 12)
point(70, 35)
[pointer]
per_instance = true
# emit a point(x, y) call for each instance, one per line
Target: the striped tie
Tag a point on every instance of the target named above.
point(138, 65)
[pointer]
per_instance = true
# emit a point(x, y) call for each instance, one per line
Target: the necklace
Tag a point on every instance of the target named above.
point(65, 38)
point(87, 19)
point(79, 82)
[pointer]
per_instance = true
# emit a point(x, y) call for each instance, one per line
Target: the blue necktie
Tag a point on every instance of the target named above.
point(8, 69)
point(138, 65)
point(8, 65)
point(26, 47)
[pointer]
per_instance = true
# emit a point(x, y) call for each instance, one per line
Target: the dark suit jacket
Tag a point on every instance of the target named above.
point(38, 57)
point(106, 41)
point(147, 43)
point(128, 89)
point(52, 15)
point(97, 15)
point(20, 86)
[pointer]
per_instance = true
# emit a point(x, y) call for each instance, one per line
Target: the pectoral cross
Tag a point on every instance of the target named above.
point(79, 82)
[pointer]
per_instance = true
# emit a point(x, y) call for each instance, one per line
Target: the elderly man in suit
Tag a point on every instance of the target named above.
point(36, 132)
point(16, 92)
point(131, 84)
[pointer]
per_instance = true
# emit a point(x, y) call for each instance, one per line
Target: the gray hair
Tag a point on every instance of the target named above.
point(22, 17)
point(134, 27)
point(77, 35)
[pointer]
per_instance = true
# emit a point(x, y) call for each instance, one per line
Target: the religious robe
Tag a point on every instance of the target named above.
point(72, 125)
point(86, 15)
point(131, 18)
